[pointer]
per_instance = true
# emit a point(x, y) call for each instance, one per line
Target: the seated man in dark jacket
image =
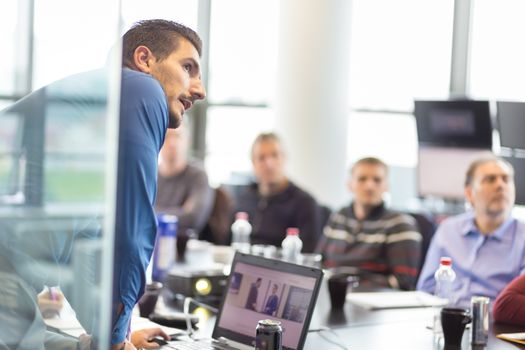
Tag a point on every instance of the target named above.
point(275, 203)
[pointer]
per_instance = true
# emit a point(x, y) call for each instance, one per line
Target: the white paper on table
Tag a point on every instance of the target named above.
point(394, 300)
point(66, 322)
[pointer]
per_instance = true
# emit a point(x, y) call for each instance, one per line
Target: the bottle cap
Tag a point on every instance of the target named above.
point(292, 231)
point(445, 260)
point(241, 216)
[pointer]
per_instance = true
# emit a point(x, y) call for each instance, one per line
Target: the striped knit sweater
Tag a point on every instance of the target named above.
point(386, 243)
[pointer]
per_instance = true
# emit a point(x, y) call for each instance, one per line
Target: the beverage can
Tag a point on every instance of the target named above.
point(479, 307)
point(268, 335)
point(164, 253)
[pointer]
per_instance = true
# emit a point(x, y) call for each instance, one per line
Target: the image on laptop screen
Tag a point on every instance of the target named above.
point(260, 288)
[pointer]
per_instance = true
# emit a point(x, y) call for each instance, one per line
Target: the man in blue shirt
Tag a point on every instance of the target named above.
point(272, 302)
point(161, 79)
point(487, 245)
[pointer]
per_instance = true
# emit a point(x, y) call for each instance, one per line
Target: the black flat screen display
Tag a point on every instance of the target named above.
point(462, 124)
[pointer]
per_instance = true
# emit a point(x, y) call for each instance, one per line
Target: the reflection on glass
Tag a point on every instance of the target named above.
point(52, 183)
point(8, 27)
point(69, 45)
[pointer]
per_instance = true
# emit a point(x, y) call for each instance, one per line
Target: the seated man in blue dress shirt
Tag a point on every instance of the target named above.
point(487, 245)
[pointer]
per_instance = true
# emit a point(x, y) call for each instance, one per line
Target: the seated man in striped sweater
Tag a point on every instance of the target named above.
point(382, 245)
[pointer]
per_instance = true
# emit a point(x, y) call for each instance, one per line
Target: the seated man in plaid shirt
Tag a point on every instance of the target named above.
point(383, 246)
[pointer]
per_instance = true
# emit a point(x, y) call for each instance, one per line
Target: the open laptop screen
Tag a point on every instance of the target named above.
point(260, 288)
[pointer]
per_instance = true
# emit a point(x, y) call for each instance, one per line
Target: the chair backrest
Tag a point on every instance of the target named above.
point(427, 226)
point(217, 230)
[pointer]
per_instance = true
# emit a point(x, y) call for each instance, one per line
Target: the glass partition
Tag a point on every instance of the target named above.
point(57, 165)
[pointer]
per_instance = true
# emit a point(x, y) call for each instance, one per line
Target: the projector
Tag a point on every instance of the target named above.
point(206, 284)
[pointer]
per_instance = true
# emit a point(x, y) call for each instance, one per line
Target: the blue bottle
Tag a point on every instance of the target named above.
point(164, 252)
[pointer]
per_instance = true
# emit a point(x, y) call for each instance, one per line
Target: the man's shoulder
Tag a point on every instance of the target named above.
point(455, 224)
point(458, 219)
point(196, 167)
point(137, 83)
point(393, 214)
point(300, 193)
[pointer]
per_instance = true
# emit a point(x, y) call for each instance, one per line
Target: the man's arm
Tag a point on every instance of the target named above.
point(403, 253)
point(509, 306)
point(195, 211)
point(309, 224)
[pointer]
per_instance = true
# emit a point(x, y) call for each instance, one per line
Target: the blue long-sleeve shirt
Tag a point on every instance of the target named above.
point(143, 124)
point(484, 264)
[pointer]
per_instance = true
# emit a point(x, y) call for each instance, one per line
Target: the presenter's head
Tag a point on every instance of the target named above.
point(170, 52)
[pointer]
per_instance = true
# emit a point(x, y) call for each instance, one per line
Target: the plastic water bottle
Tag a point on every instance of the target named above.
point(241, 230)
point(292, 245)
point(444, 277)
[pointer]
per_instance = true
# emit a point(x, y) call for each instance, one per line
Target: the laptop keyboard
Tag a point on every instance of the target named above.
point(198, 345)
point(193, 346)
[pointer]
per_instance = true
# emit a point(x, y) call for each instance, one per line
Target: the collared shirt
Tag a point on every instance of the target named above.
point(484, 264)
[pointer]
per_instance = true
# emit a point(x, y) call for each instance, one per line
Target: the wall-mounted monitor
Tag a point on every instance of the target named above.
point(458, 123)
point(519, 177)
point(441, 170)
point(511, 124)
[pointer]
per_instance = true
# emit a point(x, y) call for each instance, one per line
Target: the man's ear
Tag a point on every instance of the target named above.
point(142, 58)
point(349, 184)
point(468, 193)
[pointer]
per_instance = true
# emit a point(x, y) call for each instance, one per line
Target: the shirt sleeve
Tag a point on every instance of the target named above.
point(143, 123)
point(309, 224)
point(403, 253)
point(509, 306)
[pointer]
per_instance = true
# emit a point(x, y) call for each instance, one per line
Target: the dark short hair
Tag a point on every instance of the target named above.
point(263, 137)
point(160, 36)
point(480, 161)
point(369, 161)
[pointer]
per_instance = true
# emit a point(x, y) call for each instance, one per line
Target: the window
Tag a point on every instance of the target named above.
point(63, 45)
point(8, 27)
point(230, 132)
point(497, 53)
point(182, 11)
point(400, 50)
point(243, 51)
point(391, 137)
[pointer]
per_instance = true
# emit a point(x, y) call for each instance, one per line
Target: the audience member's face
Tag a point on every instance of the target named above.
point(268, 162)
point(274, 289)
point(175, 145)
point(180, 77)
point(368, 183)
point(492, 190)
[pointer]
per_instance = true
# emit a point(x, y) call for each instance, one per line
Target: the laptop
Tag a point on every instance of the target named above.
point(259, 288)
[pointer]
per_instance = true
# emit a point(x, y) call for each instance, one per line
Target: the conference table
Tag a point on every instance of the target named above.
point(357, 328)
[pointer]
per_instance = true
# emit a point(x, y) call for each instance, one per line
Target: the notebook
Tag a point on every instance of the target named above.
point(259, 288)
